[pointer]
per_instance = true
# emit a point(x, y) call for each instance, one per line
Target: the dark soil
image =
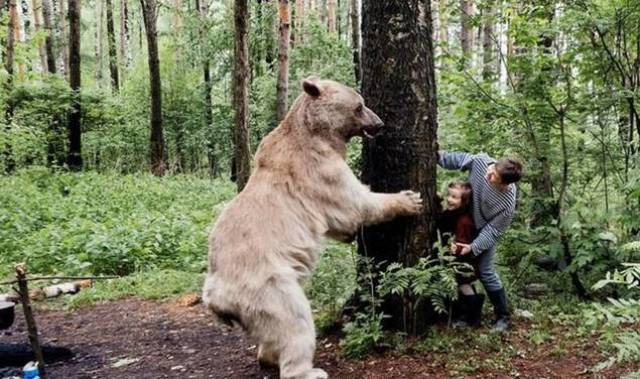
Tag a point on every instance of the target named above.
point(173, 340)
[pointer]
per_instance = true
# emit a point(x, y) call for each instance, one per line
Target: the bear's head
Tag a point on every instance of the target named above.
point(338, 110)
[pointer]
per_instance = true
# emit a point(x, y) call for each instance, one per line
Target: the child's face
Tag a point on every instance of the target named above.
point(454, 198)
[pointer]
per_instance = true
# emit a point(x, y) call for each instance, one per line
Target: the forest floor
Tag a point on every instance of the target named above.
point(134, 338)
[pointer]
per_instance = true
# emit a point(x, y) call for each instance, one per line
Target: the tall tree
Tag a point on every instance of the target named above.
point(241, 156)
point(282, 86)
point(203, 12)
point(48, 40)
point(488, 44)
point(8, 85)
point(398, 83)
point(331, 16)
point(64, 38)
point(37, 25)
point(74, 159)
point(355, 38)
point(99, 17)
point(158, 157)
point(125, 52)
point(113, 52)
point(299, 27)
point(466, 30)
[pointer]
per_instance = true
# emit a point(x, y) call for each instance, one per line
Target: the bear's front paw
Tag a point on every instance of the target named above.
point(411, 202)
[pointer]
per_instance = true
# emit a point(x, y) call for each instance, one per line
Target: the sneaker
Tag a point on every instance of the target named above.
point(500, 325)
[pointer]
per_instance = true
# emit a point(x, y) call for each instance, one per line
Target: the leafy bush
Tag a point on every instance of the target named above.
point(106, 223)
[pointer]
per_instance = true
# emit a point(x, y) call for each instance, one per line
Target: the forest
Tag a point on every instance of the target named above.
point(126, 127)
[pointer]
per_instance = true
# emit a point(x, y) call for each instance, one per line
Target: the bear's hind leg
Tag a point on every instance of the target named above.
point(285, 324)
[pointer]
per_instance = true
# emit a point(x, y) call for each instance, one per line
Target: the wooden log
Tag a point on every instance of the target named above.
point(21, 276)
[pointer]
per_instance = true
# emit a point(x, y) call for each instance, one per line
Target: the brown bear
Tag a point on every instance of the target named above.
point(268, 238)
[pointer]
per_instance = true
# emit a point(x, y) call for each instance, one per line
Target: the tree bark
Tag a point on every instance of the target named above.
point(113, 54)
point(398, 83)
point(331, 16)
point(74, 159)
point(488, 44)
point(282, 85)
point(64, 38)
point(299, 27)
point(37, 25)
point(99, 17)
point(9, 162)
point(125, 52)
point(241, 156)
point(466, 31)
point(157, 148)
point(355, 39)
point(48, 40)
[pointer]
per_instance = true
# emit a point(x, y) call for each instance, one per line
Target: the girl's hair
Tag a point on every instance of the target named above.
point(465, 189)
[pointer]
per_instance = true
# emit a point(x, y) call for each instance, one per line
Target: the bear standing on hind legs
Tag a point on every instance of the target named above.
point(268, 238)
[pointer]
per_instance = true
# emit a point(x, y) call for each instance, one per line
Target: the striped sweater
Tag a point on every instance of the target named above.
point(492, 209)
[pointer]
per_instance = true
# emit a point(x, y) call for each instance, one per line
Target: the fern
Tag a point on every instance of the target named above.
point(621, 312)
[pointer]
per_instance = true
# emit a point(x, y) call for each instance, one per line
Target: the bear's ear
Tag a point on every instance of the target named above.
point(311, 86)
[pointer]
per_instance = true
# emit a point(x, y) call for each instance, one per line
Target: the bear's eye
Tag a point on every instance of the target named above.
point(359, 109)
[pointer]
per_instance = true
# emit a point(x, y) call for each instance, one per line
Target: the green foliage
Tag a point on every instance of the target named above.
point(620, 318)
point(332, 283)
point(363, 335)
point(105, 223)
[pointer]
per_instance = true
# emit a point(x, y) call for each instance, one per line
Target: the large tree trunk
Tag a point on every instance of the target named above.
point(282, 86)
point(331, 16)
point(158, 157)
point(125, 52)
point(48, 40)
point(113, 52)
point(242, 154)
point(355, 39)
point(74, 160)
point(466, 30)
point(37, 24)
point(398, 83)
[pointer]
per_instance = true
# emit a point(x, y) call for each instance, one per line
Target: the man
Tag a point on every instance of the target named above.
point(493, 205)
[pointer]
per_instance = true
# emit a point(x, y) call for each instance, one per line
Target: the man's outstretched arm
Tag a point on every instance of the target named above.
point(455, 160)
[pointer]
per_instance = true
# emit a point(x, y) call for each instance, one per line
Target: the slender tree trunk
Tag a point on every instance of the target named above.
point(283, 60)
point(404, 156)
point(331, 16)
point(355, 39)
point(48, 40)
point(64, 38)
point(9, 162)
point(99, 17)
point(37, 24)
point(157, 148)
point(242, 155)
point(466, 30)
point(23, 35)
point(113, 52)
point(203, 9)
point(299, 27)
point(488, 64)
point(125, 52)
point(74, 159)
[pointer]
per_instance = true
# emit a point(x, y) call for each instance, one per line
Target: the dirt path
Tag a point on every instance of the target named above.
point(168, 340)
